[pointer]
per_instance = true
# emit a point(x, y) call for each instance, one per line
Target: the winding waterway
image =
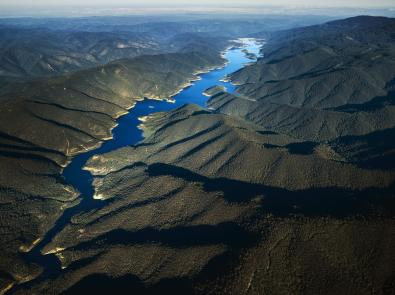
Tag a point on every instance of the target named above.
point(127, 133)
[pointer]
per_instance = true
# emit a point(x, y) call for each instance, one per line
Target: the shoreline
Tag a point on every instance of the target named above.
point(196, 76)
point(38, 247)
point(169, 98)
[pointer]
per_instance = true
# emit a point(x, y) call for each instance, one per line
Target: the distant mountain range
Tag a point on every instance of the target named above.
point(31, 48)
point(27, 54)
point(284, 187)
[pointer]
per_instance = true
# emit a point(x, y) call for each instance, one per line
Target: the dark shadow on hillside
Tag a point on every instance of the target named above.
point(301, 148)
point(128, 284)
point(279, 202)
point(372, 105)
point(332, 201)
point(375, 150)
point(228, 233)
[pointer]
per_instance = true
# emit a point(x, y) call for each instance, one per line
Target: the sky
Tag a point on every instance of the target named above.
point(82, 8)
point(218, 3)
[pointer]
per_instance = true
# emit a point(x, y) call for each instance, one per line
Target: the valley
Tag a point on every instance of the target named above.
point(259, 161)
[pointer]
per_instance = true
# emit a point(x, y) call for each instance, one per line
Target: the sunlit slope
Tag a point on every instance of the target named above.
point(284, 187)
point(214, 185)
point(339, 63)
point(29, 53)
point(293, 169)
point(48, 121)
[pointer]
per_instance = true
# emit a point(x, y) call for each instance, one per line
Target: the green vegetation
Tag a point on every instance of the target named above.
point(48, 121)
point(284, 187)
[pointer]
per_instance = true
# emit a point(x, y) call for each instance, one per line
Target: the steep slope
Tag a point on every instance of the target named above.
point(286, 186)
point(296, 166)
point(305, 123)
point(324, 66)
point(29, 53)
point(320, 82)
point(48, 121)
point(226, 191)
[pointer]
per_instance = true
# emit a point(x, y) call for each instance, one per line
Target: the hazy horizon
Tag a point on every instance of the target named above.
point(200, 3)
point(86, 8)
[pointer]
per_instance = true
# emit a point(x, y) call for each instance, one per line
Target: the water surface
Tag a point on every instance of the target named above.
point(127, 132)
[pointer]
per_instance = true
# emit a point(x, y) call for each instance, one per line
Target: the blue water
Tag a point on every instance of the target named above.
point(127, 133)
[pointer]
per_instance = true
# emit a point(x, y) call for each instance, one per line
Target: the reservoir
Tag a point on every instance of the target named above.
point(127, 133)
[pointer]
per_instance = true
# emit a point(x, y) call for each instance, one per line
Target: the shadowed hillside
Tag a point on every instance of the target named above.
point(285, 186)
point(48, 121)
